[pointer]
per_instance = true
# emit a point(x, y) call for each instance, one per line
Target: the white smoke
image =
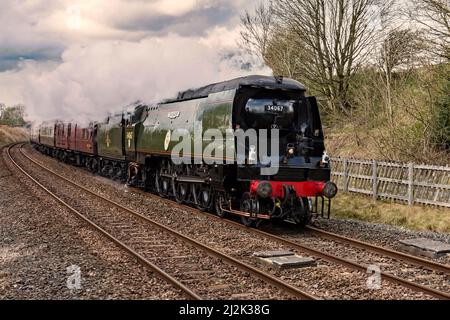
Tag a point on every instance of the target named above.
point(105, 76)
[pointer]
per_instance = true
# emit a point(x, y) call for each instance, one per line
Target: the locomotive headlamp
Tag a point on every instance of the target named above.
point(325, 160)
point(264, 190)
point(325, 157)
point(290, 150)
point(330, 190)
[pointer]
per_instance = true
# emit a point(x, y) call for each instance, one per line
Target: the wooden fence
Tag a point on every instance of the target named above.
point(408, 183)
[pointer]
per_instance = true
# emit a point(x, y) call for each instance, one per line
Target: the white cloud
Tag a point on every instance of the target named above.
point(104, 66)
point(107, 75)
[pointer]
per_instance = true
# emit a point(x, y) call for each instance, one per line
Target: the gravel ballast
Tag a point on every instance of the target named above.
point(326, 280)
point(40, 240)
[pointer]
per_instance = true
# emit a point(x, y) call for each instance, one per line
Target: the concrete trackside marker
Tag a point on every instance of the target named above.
point(425, 247)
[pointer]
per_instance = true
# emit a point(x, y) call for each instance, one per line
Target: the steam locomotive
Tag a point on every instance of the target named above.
point(138, 145)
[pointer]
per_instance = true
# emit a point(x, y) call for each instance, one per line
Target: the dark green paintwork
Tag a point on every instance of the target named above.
point(199, 115)
point(110, 138)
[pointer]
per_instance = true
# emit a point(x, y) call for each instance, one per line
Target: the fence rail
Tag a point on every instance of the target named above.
point(410, 183)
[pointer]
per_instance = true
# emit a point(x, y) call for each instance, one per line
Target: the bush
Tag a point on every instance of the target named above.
point(441, 120)
point(12, 116)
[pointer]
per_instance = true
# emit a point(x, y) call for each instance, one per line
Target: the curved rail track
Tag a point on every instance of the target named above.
point(123, 227)
point(319, 254)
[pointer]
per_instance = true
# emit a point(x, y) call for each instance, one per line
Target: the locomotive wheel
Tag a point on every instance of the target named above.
point(182, 192)
point(147, 179)
point(203, 197)
point(218, 202)
point(181, 189)
point(158, 184)
point(165, 186)
point(251, 205)
point(304, 215)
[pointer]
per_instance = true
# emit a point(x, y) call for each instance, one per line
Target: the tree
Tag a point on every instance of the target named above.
point(258, 30)
point(2, 108)
point(332, 38)
point(434, 17)
point(398, 54)
point(13, 116)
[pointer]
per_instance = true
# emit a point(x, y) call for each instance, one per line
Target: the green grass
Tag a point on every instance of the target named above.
point(420, 218)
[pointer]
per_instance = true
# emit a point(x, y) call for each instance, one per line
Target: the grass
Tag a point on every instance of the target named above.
point(420, 218)
point(12, 134)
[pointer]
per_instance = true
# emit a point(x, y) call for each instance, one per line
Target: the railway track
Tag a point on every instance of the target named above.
point(357, 266)
point(154, 244)
point(400, 256)
point(423, 263)
point(335, 259)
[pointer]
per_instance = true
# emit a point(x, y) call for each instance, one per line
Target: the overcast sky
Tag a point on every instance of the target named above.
point(80, 58)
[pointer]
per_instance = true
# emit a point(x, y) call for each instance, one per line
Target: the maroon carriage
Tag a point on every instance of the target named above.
point(61, 135)
point(82, 145)
point(83, 140)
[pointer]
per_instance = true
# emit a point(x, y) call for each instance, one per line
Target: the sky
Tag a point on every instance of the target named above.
point(79, 59)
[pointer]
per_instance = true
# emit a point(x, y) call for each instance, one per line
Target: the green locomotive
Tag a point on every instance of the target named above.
point(222, 172)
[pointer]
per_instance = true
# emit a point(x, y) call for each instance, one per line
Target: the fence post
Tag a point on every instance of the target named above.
point(410, 183)
point(374, 180)
point(345, 175)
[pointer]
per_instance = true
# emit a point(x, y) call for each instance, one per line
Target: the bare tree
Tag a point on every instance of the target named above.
point(257, 30)
point(398, 54)
point(284, 54)
point(333, 38)
point(274, 44)
point(2, 108)
point(434, 16)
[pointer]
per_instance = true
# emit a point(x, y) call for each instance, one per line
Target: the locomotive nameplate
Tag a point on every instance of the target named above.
point(173, 114)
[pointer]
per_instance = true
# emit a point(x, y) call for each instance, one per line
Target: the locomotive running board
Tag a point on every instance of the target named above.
point(244, 214)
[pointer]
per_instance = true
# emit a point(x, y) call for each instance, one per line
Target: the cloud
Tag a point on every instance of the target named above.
point(11, 58)
point(78, 59)
point(105, 76)
point(196, 21)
